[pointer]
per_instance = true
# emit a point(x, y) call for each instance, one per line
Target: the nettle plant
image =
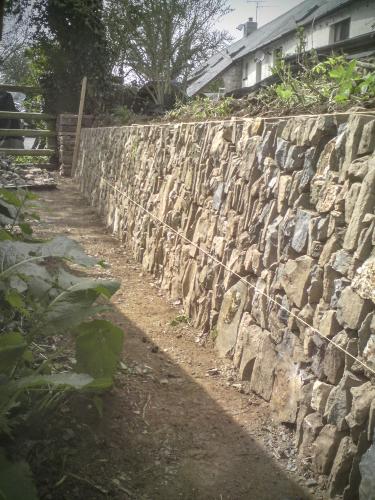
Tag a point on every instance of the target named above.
point(335, 80)
point(345, 79)
point(47, 308)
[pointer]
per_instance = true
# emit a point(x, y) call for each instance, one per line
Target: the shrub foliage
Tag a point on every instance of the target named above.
point(45, 301)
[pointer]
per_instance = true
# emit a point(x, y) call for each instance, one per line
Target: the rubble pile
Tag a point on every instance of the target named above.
point(289, 205)
point(21, 176)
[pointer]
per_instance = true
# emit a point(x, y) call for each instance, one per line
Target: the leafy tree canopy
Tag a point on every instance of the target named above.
point(161, 41)
point(68, 42)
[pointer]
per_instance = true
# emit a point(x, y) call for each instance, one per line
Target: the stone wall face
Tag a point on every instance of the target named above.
point(233, 77)
point(289, 205)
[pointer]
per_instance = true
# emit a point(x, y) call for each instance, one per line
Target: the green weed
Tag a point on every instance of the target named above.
point(181, 319)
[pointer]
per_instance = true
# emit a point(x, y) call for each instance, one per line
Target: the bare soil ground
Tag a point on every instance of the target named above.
point(177, 424)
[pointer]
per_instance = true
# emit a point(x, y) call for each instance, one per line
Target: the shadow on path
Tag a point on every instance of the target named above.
point(168, 430)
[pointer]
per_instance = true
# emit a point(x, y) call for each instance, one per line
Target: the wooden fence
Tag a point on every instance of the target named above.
point(29, 117)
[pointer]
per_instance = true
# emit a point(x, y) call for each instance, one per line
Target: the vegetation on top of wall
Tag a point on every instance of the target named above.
point(47, 307)
point(332, 82)
point(335, 84)
point(202, 108)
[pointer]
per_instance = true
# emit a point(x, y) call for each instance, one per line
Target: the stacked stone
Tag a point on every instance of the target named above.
point(288, 205)
point(66, 134)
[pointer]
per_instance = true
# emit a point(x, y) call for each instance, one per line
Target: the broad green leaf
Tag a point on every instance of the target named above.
point(25, 228)
point(10, 197)
point(98, 348)
point(74, 305)
point(15, 300)
point(7, 405)
point(12, 347)
point(20, 253)
point(31, 196)
point(4, 235)
point(68, 249)
point(28, 356)
point(58, 380)
point(16, 482)
point(17, 283)
point(99, 385)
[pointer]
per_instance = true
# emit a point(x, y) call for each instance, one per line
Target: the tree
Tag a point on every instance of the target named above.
point(15, 68)
point(2, 9)
point(16, 36)
point(161, 41)
point(68, 42)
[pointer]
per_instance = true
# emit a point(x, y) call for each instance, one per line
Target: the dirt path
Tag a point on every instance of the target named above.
point(176, 425)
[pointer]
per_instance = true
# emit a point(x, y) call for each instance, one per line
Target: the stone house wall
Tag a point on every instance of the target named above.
point(289, 205)
point(232, 77)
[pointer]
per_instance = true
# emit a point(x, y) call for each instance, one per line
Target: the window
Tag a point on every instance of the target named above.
point(245, 71)
point(258, 69)
point(340, 31)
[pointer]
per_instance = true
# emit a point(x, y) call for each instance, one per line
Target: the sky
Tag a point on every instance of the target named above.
point(242, 10)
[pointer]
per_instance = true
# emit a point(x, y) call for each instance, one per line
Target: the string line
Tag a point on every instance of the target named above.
point(241, 278)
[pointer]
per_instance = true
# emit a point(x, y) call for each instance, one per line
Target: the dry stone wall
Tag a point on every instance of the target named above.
point(288, 204)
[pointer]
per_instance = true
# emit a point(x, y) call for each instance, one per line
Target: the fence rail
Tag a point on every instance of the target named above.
point(28, 116)
point(26, 132)
point(24, 89)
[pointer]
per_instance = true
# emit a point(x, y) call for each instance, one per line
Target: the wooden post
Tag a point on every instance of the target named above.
point(79, 124)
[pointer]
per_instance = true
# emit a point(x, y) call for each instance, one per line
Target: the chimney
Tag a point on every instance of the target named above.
point(249, 27)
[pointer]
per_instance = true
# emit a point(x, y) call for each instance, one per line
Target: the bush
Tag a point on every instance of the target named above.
point(333, 82)
point(123, 115)
point(202, 108)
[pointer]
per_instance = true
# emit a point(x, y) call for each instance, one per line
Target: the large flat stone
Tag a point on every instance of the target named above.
point(301, 230)
point(229, 319)
point(264, 369)
point(364, 281)
point(325, 448)
point(362, 396)
point(352, 309)
point(295, 279)
point(365, 204)
point(320, 395)
point(339, 476)
point(286, 393)
point(367, 468)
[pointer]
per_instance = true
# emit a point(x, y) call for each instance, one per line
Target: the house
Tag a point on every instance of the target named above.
point(328, 25)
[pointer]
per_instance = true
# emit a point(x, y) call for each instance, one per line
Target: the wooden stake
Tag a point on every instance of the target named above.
point(79, 124)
